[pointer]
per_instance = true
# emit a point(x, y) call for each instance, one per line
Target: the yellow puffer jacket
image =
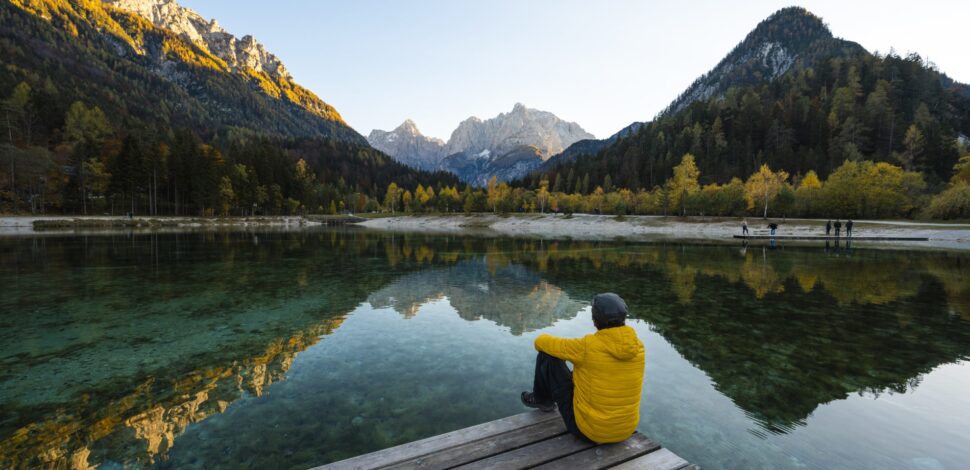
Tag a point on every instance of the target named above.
point(608, 378)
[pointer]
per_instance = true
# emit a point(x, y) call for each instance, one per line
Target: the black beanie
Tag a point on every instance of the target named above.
point(608, 310)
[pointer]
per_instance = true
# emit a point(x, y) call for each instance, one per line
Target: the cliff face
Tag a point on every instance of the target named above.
point(520, 127)
point(239, 54)
point(407, 145)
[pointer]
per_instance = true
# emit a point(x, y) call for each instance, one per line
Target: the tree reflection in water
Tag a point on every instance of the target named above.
point(113, 345)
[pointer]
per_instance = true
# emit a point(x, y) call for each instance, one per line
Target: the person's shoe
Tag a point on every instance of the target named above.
point(529, 399)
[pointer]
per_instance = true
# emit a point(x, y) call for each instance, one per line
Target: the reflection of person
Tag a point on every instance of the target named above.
point(838, 227)
point(848, 228)
point(773, 226)
point(828, 227)
point(600, 399)
point(744, 227)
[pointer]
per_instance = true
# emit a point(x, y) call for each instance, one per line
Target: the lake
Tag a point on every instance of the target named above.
point(275, 349)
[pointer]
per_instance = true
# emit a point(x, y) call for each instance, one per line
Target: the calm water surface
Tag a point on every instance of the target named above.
point(286, 350)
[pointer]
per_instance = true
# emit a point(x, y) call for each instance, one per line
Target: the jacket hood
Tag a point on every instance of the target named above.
point(622, 342)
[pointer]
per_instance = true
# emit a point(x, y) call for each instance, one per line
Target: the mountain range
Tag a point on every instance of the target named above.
point(507, 146)
point(790, 94)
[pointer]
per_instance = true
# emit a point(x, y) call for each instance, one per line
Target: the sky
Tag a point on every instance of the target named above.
point(603, 64)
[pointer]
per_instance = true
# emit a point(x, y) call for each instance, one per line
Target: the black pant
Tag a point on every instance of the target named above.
point(554, 382)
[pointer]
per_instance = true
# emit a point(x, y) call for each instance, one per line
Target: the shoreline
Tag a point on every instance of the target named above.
point(659, 228)
point(546, 226)
point(34, 225)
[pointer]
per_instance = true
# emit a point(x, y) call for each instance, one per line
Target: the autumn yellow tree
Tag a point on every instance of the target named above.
point(954, 202)
point(763, 186)
point(448, 198)
point(406, 199)
point(961, 171)
point(392, 197)
point(419, 196)
point(807, 194)
point(595, 201)
point(424, 196)
point(684, 183)
point(870, 189)
point(493, 193)
point(542, 195)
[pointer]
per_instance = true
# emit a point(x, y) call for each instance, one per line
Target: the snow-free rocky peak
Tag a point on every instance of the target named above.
point(789, 37)
point(507, 146)
point(238, 53)
point(520, 127)
point(407, 145)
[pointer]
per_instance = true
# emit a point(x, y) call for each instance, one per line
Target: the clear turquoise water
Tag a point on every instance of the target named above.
point(292, 349)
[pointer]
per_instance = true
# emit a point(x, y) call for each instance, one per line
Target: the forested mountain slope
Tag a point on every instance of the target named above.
point(119, 61)
point(105, 111)
point(792, 37)
point(834, 103)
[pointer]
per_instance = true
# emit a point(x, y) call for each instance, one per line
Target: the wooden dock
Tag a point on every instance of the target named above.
point(528, 440)
point(832, 238)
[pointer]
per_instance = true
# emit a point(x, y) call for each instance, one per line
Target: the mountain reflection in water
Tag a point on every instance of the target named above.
point(113, 346)
point(511, 295)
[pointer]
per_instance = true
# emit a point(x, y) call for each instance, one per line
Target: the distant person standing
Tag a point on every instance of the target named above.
point(773, 226)
point(848, 228)
point(828, 227)
point(744, 227)
point(838, 227)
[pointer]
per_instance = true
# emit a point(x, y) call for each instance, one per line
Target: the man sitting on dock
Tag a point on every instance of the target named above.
point(600, 399)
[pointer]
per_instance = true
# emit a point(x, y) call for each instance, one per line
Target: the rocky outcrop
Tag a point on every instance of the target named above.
point(407, 145)
point(787, 38)
point(239, 54)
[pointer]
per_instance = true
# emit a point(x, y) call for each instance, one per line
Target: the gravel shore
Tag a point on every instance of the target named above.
point(602, 227)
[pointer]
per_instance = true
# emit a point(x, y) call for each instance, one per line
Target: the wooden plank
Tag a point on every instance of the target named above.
point(660, 459)
point(534, 454)
point(441, 442)
point(486, 447)
point(605, 455)
point(832, 238)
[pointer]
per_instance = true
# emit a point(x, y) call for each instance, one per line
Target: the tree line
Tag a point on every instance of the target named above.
point(855, 189)
point(77, 160)
point(885, 109)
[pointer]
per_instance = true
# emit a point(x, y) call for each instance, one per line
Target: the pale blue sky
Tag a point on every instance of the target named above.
point(603, 64)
